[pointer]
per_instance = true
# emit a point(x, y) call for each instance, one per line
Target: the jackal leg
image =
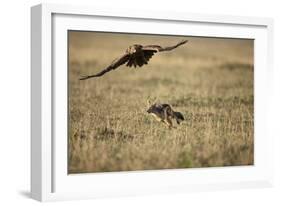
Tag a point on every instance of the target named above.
point(169, 123)
point(167, 119)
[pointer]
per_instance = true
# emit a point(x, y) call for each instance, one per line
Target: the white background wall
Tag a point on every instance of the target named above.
point(15, 103)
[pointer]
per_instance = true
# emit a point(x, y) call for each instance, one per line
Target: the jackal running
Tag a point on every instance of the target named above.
point(164, 113)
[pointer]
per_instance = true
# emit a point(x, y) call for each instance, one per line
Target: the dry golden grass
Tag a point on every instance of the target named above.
point(209, 80)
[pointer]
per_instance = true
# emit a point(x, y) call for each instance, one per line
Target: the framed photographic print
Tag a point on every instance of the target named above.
point(135, 102)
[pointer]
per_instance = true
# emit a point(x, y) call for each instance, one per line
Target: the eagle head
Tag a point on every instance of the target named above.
point(134, 49)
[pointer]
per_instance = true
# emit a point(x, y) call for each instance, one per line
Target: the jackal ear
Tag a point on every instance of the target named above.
point(150, 101)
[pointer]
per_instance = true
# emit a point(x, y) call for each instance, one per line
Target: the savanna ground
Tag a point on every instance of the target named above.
point(209, 80)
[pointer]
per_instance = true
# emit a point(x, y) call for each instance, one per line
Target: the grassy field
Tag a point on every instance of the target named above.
point(208, 80)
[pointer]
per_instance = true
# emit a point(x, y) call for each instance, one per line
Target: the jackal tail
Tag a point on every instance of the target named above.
point(179, 117)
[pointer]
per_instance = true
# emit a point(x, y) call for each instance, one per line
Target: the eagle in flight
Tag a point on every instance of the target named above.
point(135, 55)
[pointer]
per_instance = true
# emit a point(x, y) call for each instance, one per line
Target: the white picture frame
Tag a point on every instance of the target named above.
point(49, 178)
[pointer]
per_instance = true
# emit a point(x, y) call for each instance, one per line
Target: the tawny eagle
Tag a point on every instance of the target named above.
point(135, 55)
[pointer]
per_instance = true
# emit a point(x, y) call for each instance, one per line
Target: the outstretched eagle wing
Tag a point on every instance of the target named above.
point(115, 64)
point(157, 48)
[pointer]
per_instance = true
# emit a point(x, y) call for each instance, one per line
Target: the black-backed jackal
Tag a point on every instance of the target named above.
point(164, 113)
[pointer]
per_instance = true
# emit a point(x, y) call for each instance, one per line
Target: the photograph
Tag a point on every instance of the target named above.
point(140, 102)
